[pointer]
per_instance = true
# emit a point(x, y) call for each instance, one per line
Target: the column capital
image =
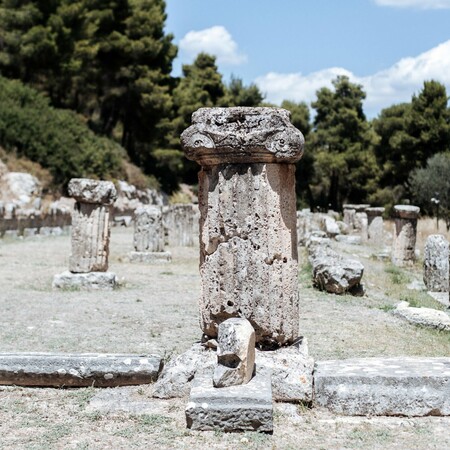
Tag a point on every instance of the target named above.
point(375, 211)
point(406, 211)
point(242, 135)
point(85, 190)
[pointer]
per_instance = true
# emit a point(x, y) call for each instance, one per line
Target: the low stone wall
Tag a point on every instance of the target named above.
point(29, 223)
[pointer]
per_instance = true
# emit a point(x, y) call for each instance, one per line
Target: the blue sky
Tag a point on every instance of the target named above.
point(290, 48)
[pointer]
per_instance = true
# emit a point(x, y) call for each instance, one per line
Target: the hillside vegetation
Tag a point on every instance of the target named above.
point(110, 63)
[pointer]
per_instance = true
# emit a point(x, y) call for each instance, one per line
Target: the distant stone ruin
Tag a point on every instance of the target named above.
point(149, 236)
point(404, 246)
point(88, 262)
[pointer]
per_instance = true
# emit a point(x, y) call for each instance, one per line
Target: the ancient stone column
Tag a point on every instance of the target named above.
point(436, 264)
point(90, 224)
point(375, 225)
point(349, 216)
point(88, 262)
point(149, 236)
point(404, 246)
point(181, 221)
point(362, 224)
point(248, 236)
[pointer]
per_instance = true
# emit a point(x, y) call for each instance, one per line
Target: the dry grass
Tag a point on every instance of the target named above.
point(156, 311)
point(427, 226)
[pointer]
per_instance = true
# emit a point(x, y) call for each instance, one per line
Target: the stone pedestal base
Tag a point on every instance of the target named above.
point(85, 281)
point(247, 407)
point(150, 257)
point(388, 387)
point(291, 368)
point(78, 369)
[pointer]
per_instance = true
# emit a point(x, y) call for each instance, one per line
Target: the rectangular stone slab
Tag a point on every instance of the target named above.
point(246, 407)
point(78, 370)
point(400, 386)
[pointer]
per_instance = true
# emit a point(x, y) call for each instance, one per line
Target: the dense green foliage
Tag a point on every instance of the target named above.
point(57, 139)
point(341, 142)
point(110, 62)
point(433, 182)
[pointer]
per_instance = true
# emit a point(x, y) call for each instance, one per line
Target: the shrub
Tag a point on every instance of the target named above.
point(59, 140)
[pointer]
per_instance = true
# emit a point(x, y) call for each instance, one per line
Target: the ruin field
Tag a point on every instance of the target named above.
point(155, 311)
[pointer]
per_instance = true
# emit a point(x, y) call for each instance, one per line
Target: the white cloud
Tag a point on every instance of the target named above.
point(393, 85)
point(421, 4)
point(216, 41)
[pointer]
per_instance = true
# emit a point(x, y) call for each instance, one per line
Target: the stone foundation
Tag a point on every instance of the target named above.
point(85, 281)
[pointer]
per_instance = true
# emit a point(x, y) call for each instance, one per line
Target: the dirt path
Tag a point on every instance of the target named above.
point(156, 312)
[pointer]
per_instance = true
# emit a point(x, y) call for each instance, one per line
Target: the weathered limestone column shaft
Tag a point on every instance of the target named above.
point(248, 236)
point(90, 224)
point(404, 247)
point(436, 264)
point(148, 229)
point(375, 225)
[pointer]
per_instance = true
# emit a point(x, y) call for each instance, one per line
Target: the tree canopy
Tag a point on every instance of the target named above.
point(104, 73)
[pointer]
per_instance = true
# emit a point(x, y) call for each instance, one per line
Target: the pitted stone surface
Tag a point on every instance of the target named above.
point(248, 249)
point(66, 369)
point(436, 264)
point(85, 281)
point(242, 135)
point(86, 190)
point(392, 386)
point(148, 229)
point(248, 236)
point(235, 353)
point(404, 246)
point(246, 407)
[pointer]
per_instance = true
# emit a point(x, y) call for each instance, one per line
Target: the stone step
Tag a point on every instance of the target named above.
point(402, 386)
point(78, 370)
point(247, 407)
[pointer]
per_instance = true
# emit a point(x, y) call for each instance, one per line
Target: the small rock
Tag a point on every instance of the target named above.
point(235, 353)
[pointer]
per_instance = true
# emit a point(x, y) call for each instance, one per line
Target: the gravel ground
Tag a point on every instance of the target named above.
point(155, 311)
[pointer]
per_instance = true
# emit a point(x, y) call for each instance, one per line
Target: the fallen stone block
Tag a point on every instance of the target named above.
point(425, 317)
point(78, 370)
point(85, 281)
point(292, 372)
point(348, 239)
point(150, 257)
point(393, 386)
point(247, 407)
point(333, 273)
point(235, 353)
point(176, 378)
